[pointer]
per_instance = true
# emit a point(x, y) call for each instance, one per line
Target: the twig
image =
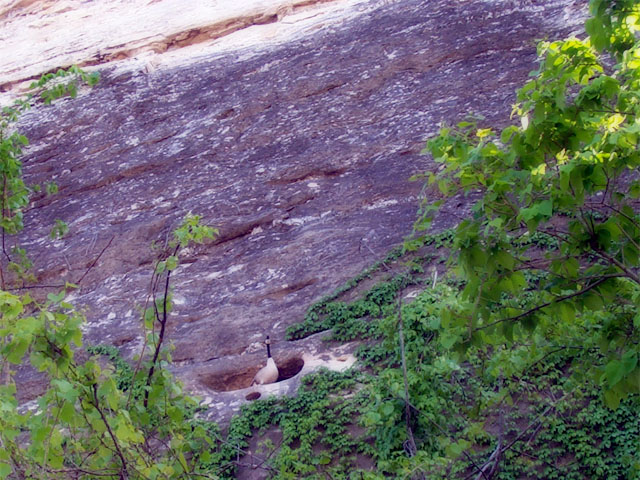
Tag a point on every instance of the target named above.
point(632, 275)
point(95, 261)
point(635, 244)
point(494, 458)
point(144, 344)
point(620, 212)
point(163, 325)
point(268, 456)
point(91, 244)
point(413, 449)
point(124, 474)
point(45, 457)
point(4, 196)
point(520, 435)
point(551, 352)
point(556, 300)
point(77, 470)
point(33, 287)
point(446, 434)
point(66, 260)
point(535, 420)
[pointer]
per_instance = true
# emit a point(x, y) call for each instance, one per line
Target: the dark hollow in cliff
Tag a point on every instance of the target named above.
point(290, 368)
point(239, 379)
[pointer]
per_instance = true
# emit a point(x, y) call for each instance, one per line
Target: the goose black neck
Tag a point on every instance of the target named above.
point(268, 342)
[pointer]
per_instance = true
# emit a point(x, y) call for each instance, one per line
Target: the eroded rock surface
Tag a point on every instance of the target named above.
point(42, 35)
point(298, 151)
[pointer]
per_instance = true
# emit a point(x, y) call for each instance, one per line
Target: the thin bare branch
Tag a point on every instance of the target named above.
point(124, 473)
point(95, 261)
point(413, 449)
point(556, 300)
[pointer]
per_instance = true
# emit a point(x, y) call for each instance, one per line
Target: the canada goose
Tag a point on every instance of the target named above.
point(268, 373)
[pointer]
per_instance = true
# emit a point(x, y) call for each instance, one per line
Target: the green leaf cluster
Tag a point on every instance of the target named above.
point(313, 431)
point(564, 171)
point(97, 418)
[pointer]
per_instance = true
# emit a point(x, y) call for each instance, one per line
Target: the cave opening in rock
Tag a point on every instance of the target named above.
point(289, 368)
point(253, 396)
point(239, 379)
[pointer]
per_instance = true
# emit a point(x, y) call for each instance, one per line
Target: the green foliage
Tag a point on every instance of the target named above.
point(511, 357)
point(96, 419)
point(439, 240)
point(21, 264)
point(452, 404)
point(59, 230)
point(549, 425)
point(589, 441)
point(123, 373)
point(312, 428)
point(428, 373)
point(562, 174)
point(51, 188)
point(613, 26)
point(327, 313)
point(190, 232)
point(63, 83)
point(346, 320)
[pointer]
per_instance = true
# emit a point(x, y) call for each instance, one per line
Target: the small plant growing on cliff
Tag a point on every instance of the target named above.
point(59, 230)
point(160, 296)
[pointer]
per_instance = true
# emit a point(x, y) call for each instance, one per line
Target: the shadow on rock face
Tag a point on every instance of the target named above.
point(237, 380)
point(290, 368)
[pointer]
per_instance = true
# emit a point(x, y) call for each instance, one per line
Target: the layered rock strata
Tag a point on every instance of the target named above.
point(299, 150)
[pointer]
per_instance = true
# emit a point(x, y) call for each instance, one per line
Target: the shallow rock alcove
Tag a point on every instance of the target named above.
point(289, 368)
point(240, 379)
point(224, 385)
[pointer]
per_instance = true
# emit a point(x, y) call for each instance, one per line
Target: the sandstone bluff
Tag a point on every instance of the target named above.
point(298, 149)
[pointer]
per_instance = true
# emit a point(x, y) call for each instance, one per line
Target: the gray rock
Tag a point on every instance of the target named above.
point(300, 155)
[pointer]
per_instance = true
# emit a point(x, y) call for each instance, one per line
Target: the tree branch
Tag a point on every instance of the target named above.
point(446, 434)
point(163, 325)
point(95, 261)
point(544, 305)
point(124, 474)
point(413, 449)
point(632, 275)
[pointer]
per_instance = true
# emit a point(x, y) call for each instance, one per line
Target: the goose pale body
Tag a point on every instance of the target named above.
point(268, 373)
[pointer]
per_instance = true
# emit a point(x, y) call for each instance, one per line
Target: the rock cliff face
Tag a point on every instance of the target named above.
point(298, 148)
point(42, 35)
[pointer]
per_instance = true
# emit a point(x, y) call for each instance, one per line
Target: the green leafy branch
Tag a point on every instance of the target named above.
point(88, 422)
point(562, 172)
